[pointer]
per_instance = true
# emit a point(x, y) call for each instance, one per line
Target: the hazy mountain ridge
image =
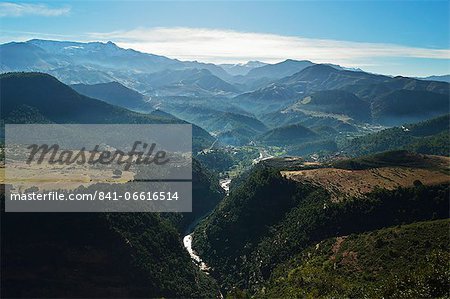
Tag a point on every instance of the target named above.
point(98, 53)
point(401, 106)
point(279, 70)
point(181, 80)
point(114, 93)
point(381, 92)
point(241, 68)
point(59, 103)
point(336, 102)
point(288, 135)
point(121, 64)
point(441, 78)
point(263, 90)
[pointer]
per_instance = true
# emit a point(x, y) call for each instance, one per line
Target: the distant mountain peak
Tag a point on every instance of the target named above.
point(113, 93)
point(255, 63)
point(289, 60)
point(242, 68)
point(322, 67)
point(279, 70)
point(440, 78)
point(56, 42)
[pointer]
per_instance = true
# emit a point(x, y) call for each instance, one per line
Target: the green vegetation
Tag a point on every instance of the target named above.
point(96, 255)
point(106, 255)
point(335, 102)
point(267, 219)
point(206, 193)
point(230, 121)
point(290, 117)
point(230, 161)
point(283, 118)
point(320, 147)
point(407, 261)
point(404, 105)
point(285, 163)
point(394, 158)
point(428, 137)
point(237, 137)
point(292, 134)
point(241, 217)
point(217, 160)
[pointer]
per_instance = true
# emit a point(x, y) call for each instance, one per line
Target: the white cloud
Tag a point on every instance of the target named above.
point(9, 9)
point(221, 46)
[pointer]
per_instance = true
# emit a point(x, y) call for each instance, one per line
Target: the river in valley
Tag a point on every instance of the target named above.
point(187, 240)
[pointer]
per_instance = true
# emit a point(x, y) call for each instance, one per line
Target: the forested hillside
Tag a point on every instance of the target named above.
point(369, 264)
point(96, 255)
point(428, 137)
point(267, 219)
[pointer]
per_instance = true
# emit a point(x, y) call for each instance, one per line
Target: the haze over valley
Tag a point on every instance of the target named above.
point(322, 176)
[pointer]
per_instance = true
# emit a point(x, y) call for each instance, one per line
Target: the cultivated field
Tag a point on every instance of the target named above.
point(343, 183)
point(45, 177)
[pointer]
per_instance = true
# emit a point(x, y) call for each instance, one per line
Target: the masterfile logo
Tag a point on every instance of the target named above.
point(113, 168)
point(54, 155)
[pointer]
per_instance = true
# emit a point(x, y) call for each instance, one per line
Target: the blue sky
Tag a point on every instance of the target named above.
point(390, 37)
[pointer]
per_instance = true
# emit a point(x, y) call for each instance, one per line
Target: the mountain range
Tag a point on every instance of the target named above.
point(442, 78)
point(274, 95)
point(308, 180)
point(41, 98)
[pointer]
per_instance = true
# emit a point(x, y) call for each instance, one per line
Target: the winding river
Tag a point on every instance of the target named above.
point(187, 240)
